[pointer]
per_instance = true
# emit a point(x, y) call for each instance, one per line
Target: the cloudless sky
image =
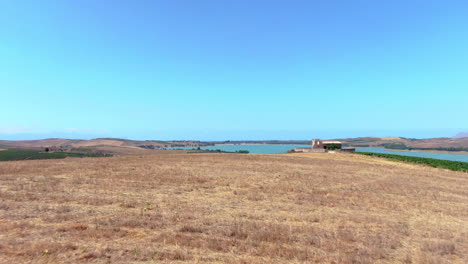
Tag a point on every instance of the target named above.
point(245, 69)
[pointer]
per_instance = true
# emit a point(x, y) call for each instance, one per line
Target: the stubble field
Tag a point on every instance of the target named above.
point(231, 208)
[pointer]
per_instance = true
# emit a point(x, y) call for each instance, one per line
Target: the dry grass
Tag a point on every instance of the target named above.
point(231, 208)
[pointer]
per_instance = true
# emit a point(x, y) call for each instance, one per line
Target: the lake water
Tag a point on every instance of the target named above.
point(278, 148)
point(422, 154)
point(257, 149)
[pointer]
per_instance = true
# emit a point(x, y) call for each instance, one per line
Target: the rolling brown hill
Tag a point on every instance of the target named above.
point(79, 143)
point(126, 143)
point(412, 143)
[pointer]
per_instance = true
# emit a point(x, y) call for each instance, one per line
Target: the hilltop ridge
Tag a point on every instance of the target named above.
point(461, 135)
point(406, 143)
point(77, 143)
point(387, 142)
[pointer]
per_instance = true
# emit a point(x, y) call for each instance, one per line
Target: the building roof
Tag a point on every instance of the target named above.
point(331, 142)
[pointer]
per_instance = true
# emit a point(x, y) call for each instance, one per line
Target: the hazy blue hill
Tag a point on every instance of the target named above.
point(461, 135)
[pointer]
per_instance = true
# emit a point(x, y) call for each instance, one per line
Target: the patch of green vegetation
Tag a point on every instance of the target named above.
point(333, 146)
point(410, 139)
point(403, 146)
point(107, 138)
point(158, 141)
point(86, 150)
point(446, 164)
point(22, 154)
point(442, 149)
point(452, 149)
point(395, 146)
point(198, 150)
point(147, 146)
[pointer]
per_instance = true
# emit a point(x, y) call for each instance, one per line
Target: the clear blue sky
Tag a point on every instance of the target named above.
point(244, 69)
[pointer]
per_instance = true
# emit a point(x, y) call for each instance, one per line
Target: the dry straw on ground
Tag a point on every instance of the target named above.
point(231, 208)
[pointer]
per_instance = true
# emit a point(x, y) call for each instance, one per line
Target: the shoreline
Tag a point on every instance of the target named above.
point(241, 144)
point(419, 150)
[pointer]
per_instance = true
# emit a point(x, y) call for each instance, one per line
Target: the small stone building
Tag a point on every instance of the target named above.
point(322, 146)
point(326, 144)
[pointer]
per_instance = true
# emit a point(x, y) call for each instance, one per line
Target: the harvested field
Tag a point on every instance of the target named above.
point(232, 208)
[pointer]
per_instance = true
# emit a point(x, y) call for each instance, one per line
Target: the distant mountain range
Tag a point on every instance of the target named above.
point(461, 135)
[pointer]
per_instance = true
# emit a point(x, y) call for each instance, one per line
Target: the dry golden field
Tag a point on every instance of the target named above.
point(231, 208)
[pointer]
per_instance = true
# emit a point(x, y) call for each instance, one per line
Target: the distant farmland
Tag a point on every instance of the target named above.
point(21, 154)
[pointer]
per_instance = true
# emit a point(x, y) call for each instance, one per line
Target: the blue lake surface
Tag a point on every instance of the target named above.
point(278, 148)
point(422, 154)
point(257, 149)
